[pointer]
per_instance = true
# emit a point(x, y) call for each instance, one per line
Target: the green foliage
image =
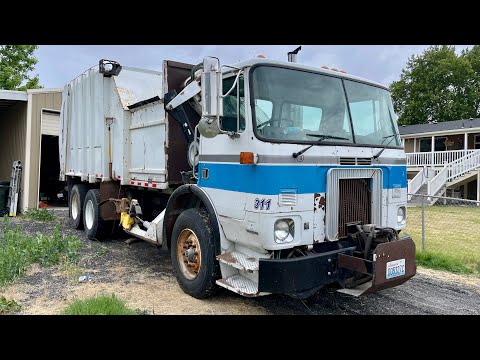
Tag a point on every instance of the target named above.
point(99, 305)
point(9, 306)
point(40, 214)
point(16, 63)
point(438, 85)
point(440, 261)
point(18, 251)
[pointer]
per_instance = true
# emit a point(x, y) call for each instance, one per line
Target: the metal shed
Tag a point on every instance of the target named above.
point(28, 121)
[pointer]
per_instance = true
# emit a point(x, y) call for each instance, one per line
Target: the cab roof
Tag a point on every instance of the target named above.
point(256, 61)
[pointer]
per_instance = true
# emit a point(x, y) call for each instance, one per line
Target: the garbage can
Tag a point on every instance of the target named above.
point(4, 195)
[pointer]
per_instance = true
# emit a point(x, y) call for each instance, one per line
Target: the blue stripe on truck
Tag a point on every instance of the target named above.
point(269, 179)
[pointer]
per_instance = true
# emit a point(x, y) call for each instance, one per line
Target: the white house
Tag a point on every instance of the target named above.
point(443, 158)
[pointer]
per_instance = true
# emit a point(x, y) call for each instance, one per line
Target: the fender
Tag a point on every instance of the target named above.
point(185, 197)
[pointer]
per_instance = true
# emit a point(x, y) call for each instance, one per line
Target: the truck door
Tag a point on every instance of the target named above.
point(220, 168)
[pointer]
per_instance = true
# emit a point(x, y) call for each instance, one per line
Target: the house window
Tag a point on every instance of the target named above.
point(440, 144)
point(456, 142)
point(477, 141)
point(426, 145)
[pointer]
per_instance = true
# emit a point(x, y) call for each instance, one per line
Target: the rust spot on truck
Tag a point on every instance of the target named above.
point(228, 257)
point(318, 217)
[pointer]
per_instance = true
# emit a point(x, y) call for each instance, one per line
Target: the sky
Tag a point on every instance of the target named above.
point(58, 64)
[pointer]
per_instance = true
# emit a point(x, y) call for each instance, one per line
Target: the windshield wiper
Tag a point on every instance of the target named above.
point(386, 145)
point(386, 137)
point(320, 139)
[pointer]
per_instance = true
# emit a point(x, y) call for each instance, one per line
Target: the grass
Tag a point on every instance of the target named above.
point(99, 305)
point(452, 242)
point(19, 251)
point(442, 262)
point(72, 270)
point(40, 214)
point(9, 306)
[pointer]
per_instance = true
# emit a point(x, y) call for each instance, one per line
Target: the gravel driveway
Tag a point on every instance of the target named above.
point(141, 274)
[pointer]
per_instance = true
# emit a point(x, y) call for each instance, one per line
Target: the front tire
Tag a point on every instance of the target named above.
point(193, 254)
point(76, 201)
point(95, 227)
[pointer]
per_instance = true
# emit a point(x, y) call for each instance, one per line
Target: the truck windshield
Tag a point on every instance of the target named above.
point(296, 106)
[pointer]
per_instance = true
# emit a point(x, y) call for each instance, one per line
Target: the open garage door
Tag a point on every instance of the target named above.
point(51, 190)
point(50, 123)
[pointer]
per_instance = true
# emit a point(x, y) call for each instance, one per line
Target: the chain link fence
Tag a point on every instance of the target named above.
point(445, 229)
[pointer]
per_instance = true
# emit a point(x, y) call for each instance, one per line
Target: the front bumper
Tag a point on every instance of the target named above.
point(299, 274)
point(309, 273)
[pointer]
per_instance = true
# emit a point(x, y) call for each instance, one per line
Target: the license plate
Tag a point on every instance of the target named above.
point(395, 268)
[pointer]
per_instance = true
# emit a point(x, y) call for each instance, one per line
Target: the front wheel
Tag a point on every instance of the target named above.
point(193, 253)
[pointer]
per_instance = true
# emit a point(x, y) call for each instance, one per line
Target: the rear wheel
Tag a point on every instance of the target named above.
point(95, 227)
point(77, 198)
point(193, 253)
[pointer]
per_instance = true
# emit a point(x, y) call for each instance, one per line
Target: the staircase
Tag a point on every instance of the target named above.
point(456, 172)
point(418, 198)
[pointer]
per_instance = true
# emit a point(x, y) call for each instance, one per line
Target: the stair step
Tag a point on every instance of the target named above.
point(241, 285)
point(239, 261)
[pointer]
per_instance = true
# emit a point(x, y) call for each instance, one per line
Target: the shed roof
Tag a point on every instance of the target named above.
point(10, 97)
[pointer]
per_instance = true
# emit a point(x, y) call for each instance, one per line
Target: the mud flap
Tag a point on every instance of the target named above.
point(393, 264)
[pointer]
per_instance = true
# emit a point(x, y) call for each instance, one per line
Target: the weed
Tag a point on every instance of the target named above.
point(18, 251)
point(100, 305)
point(9, 306)
point(40, 214)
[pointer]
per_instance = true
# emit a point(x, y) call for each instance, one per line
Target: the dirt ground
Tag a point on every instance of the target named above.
point(141, 274)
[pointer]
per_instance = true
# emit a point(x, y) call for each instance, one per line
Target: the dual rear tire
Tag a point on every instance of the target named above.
point(85, 212)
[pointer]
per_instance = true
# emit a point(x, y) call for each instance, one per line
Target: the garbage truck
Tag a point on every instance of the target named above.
point(262, 177)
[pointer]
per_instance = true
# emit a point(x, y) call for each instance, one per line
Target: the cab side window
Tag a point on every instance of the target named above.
point(233, 105)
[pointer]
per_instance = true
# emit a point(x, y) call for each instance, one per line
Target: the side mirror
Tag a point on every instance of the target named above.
point(212, 105)
point(212, 102)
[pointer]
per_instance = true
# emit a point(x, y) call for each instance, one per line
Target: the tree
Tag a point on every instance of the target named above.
point(438, 85)
point(473, 56)
point(16, 63)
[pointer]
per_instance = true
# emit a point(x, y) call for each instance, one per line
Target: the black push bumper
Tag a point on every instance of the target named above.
point(295, 275)
point(302, 274)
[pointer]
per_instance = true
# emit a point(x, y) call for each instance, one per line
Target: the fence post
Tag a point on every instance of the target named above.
point(423, 223)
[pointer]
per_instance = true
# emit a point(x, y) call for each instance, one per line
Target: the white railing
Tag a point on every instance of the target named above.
point(438, 181)
point(417, 182)
point(463, 165)
point(437, 158)
point(455, 169)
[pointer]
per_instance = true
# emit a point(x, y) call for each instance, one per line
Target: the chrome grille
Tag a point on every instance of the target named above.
point(354, 200)
point(352, 196)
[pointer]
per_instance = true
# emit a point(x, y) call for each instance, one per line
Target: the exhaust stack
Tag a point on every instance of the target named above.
point(292, 55)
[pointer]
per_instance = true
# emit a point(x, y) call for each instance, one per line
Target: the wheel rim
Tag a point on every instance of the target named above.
point(89, 214)
point(189, 254)
point(75, 206)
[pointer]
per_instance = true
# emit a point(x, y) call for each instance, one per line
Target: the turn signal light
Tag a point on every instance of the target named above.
point(248, 158)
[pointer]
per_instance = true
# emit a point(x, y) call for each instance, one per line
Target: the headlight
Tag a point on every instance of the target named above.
point(401, 213)
point(284, 230)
